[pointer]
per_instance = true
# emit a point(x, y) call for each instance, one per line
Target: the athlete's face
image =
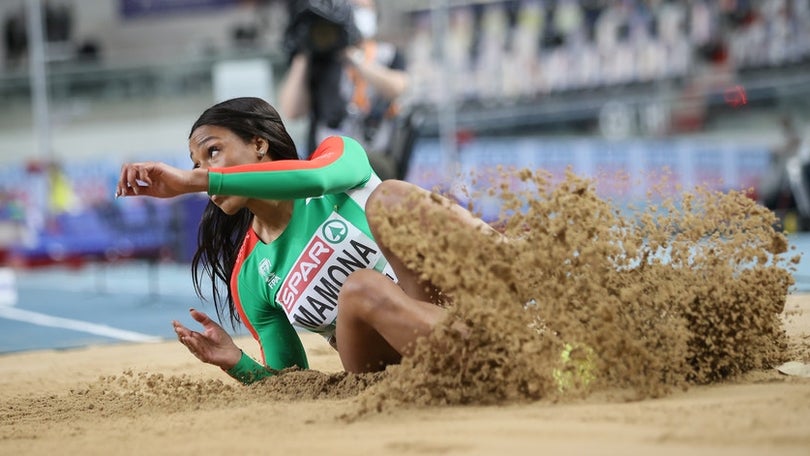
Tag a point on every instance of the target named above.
point(218, 147)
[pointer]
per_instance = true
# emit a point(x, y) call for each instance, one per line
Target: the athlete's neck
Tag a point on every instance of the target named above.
point(270, 218)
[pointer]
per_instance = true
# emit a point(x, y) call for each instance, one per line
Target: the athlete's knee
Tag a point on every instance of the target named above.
point(389, 193)
point(390, 199)
point(388, 190)
point(360, 296)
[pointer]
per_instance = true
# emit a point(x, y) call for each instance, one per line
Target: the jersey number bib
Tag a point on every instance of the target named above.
point(309, 293)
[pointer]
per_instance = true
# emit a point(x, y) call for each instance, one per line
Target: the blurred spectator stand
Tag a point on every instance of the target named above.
point(72, 218)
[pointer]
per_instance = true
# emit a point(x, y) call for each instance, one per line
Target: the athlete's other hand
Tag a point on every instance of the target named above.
point(159, 180)
point(213, 345)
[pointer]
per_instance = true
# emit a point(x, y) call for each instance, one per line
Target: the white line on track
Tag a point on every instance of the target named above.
point(35, 318)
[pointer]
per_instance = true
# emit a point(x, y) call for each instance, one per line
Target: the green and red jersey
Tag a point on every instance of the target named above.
point(293, 282)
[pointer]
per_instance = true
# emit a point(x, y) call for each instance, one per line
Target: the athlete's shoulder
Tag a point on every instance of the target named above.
point(338, 145)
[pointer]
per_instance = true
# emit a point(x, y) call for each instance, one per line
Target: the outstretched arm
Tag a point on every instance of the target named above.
point(213, 345)
point(159, 180)
point(339, 164)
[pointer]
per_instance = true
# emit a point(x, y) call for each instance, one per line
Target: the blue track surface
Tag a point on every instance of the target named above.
point(61, 308)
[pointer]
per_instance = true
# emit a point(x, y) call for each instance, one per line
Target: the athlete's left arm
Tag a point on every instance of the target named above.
point(337, 165)
point(281, 348)
point(279, 342)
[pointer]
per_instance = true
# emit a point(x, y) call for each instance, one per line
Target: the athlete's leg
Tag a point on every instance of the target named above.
point(379, 320)
point(431, 209)
point(378, 323)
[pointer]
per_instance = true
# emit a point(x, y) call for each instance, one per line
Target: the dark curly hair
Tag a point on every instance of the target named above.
point(220, 236)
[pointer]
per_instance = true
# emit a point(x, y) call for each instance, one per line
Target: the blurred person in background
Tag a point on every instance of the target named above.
point(15, 40)
point(293, 240)
point(785, 186)
point(61, 198)
point(343, 79)
point(58, 26)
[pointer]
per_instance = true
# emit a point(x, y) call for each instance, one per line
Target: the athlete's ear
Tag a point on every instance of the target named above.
point(261, 146)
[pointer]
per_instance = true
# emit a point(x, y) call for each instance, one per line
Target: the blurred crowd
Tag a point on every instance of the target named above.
point(58, 28)
point(516, 48)
point(530, 47)
point(344, 76)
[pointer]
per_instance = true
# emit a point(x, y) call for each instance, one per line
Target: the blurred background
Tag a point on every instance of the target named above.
point(712, 93)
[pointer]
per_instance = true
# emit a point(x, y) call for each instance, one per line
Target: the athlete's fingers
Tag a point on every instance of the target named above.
point(202, 318)
point(198, 345)
point(191, 347)
point(132, 178)
point(118, 186)
point(179, 326)
point(180, 330)
point(122, 181)
point(143, 174)
point(191, 343)
point(125, 191)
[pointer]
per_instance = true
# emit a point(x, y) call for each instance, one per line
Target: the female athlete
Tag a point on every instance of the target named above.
point(290, 244)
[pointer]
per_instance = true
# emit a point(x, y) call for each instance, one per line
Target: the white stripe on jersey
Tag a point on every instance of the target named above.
point(360, 195)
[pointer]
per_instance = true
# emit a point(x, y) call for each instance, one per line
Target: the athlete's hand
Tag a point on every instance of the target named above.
point(213, 345)
point(159, 180)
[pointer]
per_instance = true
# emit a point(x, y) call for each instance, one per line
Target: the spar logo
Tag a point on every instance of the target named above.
point(307, 267)
point(309, 294)
point(335, 231)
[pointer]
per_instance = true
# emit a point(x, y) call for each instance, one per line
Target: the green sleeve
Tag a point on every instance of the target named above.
point(339, 164)
point(280, 344)
point(247, 370)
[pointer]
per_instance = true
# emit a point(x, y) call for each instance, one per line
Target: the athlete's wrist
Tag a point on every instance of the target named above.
point(198, 180)
point(232, 359)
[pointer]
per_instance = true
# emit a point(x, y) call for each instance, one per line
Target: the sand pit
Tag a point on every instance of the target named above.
point(682, 313)
point(52, 402)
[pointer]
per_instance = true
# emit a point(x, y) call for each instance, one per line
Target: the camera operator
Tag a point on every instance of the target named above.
point(342, 78)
